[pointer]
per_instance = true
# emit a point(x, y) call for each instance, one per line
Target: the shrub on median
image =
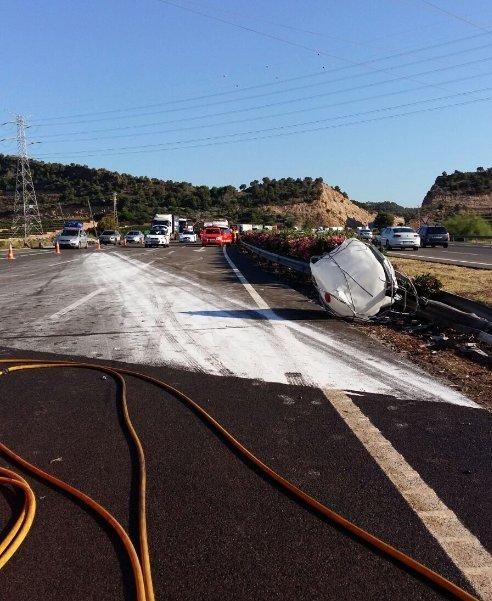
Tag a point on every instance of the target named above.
point(297, 245)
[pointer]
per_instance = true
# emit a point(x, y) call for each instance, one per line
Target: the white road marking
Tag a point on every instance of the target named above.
point(76, 304)
point(441, 259)
point(62, 262)
point(171, 252)
point(199, 250)
point(18, 254)
point(462, 547)
point(252, 292)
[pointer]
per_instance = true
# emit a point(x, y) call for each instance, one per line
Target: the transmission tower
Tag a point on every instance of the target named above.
point(115, 209)
point(26, 219)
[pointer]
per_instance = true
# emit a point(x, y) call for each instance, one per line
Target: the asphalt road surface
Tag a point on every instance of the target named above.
point(369, 434)
point(457, 253)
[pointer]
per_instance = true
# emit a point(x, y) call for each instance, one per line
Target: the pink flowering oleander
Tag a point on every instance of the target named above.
point(294, 244)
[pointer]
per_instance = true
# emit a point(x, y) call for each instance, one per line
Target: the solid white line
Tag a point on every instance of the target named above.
point(443, 260)
point(260, 303)
point(76, 304)
point(462, 547)
point(18, 254)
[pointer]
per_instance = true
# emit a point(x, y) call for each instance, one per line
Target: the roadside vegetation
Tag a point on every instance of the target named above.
point(295, 244)
point(468, 225)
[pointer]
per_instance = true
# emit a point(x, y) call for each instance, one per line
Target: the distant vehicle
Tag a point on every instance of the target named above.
point(110, 237)
point(433, 235)
point(216, 236)
point(245, 227)
point(399, 237)
point(227, 235)
point(216, 223)
point(72, 238)
point(187, 237)
point(73, 224)
point(134, 237)
point(162, 219)
point(365, 234)
point(157, 237)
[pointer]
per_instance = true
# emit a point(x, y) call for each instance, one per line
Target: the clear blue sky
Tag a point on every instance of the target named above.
point(245, 90)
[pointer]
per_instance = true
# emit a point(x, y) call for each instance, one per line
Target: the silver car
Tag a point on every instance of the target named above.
point(110, 237)
point(365, 234)
point(134, 237)
point(399, 237)
point(72, 238)
point(187, 237)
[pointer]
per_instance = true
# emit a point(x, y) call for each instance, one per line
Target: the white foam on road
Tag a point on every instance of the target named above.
point(155, 315)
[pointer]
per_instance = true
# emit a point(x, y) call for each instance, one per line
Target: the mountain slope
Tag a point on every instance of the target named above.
point(460, 192)
point(64, 190)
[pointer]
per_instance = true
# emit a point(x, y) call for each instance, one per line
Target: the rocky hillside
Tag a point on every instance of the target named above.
point(329, 208)
point(469, 192)
point(66, 190)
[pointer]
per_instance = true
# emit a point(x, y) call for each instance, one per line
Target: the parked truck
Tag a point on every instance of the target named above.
point(163, 219)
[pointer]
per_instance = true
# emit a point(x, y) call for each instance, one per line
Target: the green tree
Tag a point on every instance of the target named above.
point(107, 223)
point(468, 225)
point(383, 220)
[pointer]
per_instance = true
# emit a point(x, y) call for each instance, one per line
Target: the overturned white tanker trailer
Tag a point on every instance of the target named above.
point(354, 280)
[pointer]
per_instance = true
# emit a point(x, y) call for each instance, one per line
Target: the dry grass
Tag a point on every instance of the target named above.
point(475, 284)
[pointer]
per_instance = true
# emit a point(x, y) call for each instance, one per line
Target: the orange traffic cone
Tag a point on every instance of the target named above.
point(10, 254)
point(57, 249)
point(98, 246)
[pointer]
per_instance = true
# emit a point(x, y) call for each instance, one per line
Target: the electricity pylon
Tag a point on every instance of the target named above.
point(27, 220)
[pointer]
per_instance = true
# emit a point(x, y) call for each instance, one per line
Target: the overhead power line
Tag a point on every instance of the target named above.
point(455, 16)
point(50, 137)
point(90, 152)
point(240, 121)
point(196, 146)
point(334, 92)
point(323, 73)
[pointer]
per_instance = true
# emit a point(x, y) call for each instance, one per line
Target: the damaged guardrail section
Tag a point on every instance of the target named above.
point(452, 310)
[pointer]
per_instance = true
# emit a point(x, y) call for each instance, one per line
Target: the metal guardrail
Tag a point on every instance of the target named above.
point(455, 311)
point(295, 264)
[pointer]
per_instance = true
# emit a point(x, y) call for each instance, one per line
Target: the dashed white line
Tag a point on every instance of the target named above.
point(462, 547)
point(61, 262)
point(76, 304)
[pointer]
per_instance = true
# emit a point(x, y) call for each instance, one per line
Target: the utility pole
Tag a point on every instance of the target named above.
point(91, 216)
point(26, 212)
point(115, 209)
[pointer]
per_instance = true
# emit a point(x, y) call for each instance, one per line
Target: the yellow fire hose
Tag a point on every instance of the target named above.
point(141, 562)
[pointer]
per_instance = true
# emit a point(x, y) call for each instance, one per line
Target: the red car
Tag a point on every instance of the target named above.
point(216, 235)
